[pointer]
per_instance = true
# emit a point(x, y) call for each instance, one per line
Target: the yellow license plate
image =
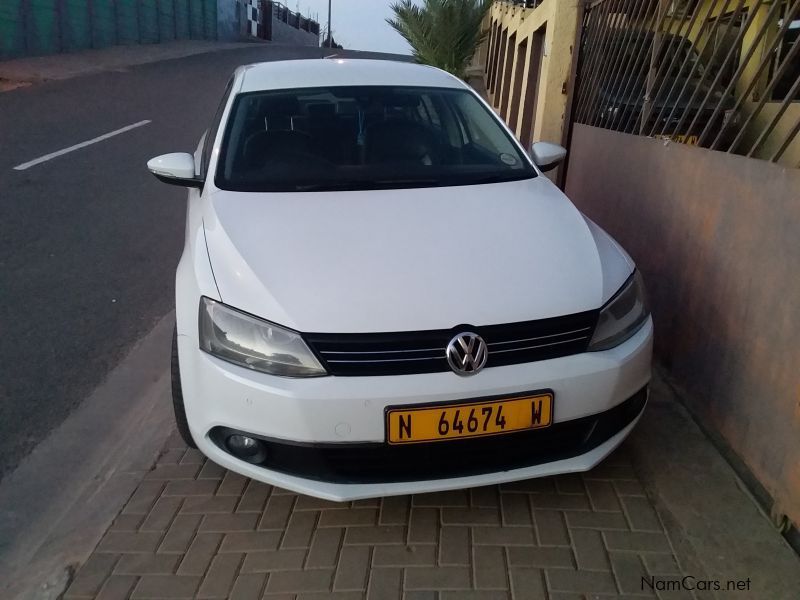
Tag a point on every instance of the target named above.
point(491, 417)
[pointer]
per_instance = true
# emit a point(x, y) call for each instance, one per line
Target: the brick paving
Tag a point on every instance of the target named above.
point(195, 530)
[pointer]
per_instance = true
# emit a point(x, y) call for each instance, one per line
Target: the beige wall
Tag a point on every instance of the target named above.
point(549, 28)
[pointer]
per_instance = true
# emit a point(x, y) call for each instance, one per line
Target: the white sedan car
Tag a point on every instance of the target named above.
point(381, 293)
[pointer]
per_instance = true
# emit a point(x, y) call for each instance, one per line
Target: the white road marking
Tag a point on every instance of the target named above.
point(53, 155)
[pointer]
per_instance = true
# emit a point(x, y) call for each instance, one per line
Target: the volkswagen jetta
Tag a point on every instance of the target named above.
point(381, 293)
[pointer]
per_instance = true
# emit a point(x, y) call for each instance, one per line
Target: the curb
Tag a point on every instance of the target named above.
point(57, 504)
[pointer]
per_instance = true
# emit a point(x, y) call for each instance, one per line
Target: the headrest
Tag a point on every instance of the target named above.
point(280, 106)
point(326, 109)
point(399, 140)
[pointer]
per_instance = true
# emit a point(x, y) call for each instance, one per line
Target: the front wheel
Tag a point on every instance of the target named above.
point(177, 395)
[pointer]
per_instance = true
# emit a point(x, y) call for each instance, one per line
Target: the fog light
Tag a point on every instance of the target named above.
point(246, 448)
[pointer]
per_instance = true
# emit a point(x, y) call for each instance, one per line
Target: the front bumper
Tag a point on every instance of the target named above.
point(341, 410)
point(385, 463)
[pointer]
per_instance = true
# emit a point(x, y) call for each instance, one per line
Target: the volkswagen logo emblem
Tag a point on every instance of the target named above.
point(467, 354)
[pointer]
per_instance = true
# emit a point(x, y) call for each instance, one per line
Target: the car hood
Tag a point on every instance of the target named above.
point(409, 260)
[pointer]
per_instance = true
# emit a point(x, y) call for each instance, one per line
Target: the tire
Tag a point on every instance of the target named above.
point(177, 395)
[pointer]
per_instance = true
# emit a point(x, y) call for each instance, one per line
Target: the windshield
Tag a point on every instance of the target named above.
point(355, 138)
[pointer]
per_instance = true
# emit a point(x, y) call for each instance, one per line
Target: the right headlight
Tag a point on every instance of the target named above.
point(253, 343)
point(622, 316)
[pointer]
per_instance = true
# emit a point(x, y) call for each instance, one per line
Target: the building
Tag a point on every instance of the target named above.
point(682, 118)
point(42, 27)
point(528, 57)
point(740, 60)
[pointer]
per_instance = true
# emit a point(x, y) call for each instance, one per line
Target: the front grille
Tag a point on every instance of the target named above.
point(406, 353)
point(383, 463)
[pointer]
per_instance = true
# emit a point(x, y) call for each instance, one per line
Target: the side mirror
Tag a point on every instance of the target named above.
point(547, 156)
point(175, 169)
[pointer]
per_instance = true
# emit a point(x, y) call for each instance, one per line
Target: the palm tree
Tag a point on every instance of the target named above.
point(442, 33)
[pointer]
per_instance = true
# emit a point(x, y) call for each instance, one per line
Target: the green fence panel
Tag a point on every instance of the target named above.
point(42, 28)
point(210, 13)
point(166, 20)
point(182, 19)
point(104, 23)
point(148, 21)
point(127, 21)
point(196, 19)
point(12, 39)
point(33, 27)
point(76, 29)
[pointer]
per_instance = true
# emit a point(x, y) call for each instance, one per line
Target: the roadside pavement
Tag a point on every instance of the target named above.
point(21, 72)
point(192, 529)
point(138, 515)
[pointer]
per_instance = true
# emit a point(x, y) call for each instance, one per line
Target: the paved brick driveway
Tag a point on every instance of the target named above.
point(193, 529)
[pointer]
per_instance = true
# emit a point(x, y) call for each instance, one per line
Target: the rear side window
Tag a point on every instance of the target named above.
point(355, 138)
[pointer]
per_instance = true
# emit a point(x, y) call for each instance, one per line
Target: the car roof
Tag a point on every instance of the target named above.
point(293, 74)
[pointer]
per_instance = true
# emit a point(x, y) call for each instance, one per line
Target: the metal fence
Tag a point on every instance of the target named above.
point(33, 27)
point(721, 74)
point(296, 20)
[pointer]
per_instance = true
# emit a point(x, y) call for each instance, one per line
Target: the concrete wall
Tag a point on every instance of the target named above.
point(283, 33)
point(36, 27)
point(231, 20)
point(234, 23)
point(716, 236)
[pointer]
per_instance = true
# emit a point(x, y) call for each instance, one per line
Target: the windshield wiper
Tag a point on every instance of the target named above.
point(371, 184)
point(497, 178)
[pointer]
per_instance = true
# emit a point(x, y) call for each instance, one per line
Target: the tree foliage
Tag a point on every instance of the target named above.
point(442, 33)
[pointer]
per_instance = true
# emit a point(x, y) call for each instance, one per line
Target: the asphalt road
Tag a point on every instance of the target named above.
point(89, 241)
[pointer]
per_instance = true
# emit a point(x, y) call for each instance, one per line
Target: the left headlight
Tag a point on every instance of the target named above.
point(255, 344)
point(623, 316)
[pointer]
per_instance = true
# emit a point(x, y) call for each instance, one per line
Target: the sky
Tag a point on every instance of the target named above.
point(357, 24)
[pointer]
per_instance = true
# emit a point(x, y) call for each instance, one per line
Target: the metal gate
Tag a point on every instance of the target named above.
point(720, 74)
